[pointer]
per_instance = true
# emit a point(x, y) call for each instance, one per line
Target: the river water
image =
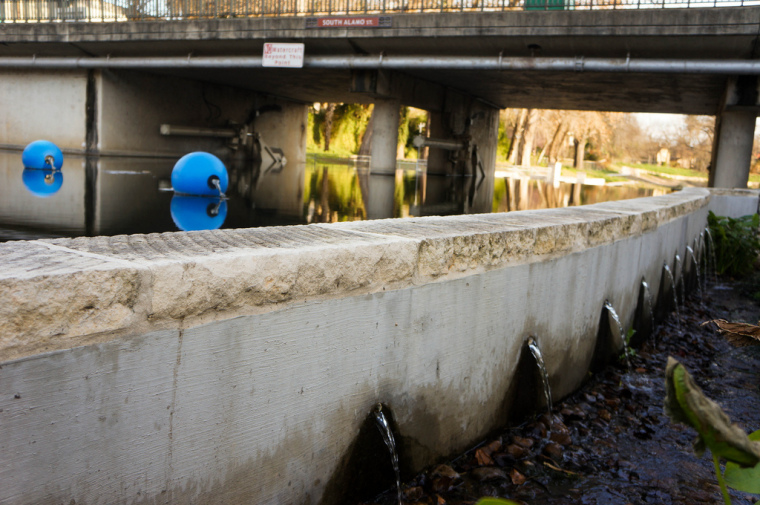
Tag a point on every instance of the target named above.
point(120, 195)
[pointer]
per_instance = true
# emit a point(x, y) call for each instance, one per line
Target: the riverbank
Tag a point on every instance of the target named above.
point(610, 442)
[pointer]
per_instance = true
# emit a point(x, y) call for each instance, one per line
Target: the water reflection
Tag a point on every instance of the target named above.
point(526, 193)
point(113, 195)
point(193, 213)
point(344, 190)
point(42, 183)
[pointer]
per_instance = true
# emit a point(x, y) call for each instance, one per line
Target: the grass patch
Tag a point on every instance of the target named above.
point(685, 172)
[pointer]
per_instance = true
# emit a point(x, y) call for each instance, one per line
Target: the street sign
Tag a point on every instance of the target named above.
point(350, 22)
point(283, 55)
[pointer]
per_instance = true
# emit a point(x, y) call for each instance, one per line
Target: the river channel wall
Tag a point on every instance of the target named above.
point(237, 366)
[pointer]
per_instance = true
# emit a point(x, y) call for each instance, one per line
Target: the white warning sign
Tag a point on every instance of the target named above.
point(284, 55)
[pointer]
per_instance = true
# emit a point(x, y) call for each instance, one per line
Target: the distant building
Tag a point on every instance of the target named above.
point(663, 156)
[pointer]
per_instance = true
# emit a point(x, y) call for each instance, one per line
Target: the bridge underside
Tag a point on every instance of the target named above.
point(680, 94)
point(723, 34)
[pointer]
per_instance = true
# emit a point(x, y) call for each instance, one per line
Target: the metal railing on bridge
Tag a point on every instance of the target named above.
point(47, 11)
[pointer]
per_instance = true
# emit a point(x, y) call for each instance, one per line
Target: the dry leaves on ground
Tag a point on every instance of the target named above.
point(737, 334)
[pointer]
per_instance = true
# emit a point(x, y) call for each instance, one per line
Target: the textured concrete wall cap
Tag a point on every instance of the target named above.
point(68, 292)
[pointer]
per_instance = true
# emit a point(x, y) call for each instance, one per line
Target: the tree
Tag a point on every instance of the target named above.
point(517, 133)
point(529, 134)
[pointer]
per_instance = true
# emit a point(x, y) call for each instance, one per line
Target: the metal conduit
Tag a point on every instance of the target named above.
point(566, 64)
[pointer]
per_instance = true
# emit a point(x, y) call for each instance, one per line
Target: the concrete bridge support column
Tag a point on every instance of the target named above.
point(734, 133)
point(732, 149)
point(384, 137)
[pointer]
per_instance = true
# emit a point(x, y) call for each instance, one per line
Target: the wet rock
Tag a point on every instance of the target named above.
point(561, 438)
point(643, 433)
point(487, 473)
point(537, 430)
point(613, 402)
point(553, 450)
point(598, 424)
point(546, 420)
point(559, 427)
point(605, 414)
point(503, 459)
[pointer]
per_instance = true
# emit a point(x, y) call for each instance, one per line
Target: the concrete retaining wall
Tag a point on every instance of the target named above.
point(237, 366)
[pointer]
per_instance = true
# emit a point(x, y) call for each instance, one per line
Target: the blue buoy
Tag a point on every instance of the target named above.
point(42, 183)
point(200, 173)
point(192, 213)
point(42, 154)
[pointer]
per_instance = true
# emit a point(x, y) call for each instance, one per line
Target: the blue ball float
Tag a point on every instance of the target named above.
point(42, 183)
point(42, 154)
point(196, 173)
point(192, 213)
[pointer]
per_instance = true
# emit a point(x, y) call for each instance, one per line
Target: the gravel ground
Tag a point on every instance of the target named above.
point(610, 442)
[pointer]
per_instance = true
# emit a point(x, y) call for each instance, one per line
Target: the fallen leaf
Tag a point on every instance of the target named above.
point(737, 334)
point(483, 458)
point(527, 443)
point(516, 451)
point(413, 494)
point(518, 479)
point(444, 471)
point(493, 447)
point(443, 478)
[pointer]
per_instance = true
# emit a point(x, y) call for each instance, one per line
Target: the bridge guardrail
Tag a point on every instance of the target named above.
point(51, 11)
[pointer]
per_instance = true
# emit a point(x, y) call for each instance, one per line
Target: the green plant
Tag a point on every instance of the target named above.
point(685, 403)
point(628, 349)
point(495, 501)
point(736, 243)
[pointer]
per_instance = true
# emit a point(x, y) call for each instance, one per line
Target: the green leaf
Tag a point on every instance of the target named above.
point(744, 479)
point(685, 403)
point(496, 501)
point(736, 243)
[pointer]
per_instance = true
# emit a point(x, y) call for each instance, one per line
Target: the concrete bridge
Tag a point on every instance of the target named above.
point(460, 66)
